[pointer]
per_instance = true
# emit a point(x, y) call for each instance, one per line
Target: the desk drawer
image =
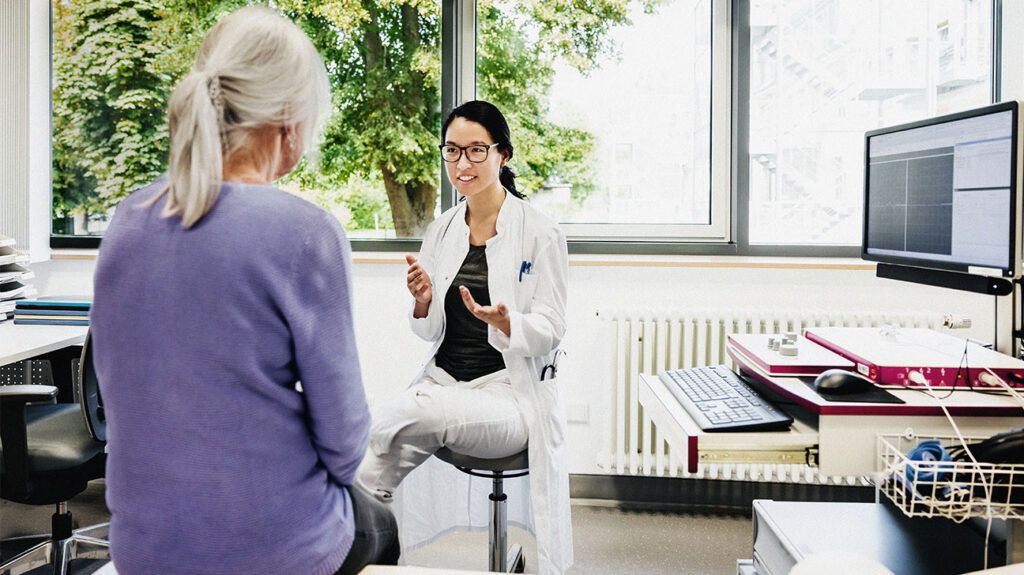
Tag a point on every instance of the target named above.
point(798, 445)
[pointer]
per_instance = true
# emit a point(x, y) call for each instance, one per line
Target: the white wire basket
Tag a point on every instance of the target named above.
point(954, 489)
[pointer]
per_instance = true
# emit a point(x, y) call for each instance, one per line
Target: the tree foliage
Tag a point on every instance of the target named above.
point(110, 134)
point(116, 61)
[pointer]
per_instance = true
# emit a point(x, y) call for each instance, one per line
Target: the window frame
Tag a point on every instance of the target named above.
point(728, 232)
point(741, 161)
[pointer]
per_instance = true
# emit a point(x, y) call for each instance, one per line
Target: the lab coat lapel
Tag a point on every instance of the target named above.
point(453, 248)
point(502, 267)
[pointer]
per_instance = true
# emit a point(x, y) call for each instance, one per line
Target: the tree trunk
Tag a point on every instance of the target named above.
point(412, 205)
point(424, 198)
point(401, 207)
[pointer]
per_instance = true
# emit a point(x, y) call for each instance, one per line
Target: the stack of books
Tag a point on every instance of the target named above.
point(52, 312)
point(14, 276)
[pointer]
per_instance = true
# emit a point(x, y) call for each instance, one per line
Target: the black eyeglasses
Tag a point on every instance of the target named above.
point(475, 153)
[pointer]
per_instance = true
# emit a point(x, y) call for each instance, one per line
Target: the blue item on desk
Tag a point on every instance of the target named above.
point(719, 400)
point(936, 463)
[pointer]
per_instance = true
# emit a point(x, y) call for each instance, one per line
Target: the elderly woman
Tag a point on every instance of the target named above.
point(216, 294)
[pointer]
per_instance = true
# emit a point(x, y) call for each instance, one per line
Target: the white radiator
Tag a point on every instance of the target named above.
point(653, 340)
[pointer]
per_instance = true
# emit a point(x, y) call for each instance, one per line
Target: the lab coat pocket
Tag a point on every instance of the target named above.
point(524, 292)
point(552, 412)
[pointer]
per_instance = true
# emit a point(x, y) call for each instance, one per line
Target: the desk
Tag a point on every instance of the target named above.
point(18, 342)
point(840, 439)
point(58, 344)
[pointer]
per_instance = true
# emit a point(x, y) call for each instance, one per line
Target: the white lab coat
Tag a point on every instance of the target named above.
point(436, 498)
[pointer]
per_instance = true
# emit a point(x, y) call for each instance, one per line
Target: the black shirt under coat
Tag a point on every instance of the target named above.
point(465, 353)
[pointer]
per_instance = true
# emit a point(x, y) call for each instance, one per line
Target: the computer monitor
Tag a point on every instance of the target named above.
point(945, 193)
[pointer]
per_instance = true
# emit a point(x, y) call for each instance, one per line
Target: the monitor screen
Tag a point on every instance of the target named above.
point(942, 193)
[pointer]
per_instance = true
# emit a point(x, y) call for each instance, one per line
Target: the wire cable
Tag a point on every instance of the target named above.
point(992, 378)
point(967, 450)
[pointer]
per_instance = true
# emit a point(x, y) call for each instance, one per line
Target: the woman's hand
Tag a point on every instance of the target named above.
point(495, 315)
point(418, 281)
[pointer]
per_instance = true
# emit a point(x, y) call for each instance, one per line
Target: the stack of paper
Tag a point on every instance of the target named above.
point(14, 274)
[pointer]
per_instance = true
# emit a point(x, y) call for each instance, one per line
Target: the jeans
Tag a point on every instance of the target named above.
point(376, 540)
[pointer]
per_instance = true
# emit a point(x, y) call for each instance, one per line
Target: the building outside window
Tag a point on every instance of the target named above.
point(822, 72)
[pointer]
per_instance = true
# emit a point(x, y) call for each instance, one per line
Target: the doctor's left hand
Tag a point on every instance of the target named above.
point(495, 315)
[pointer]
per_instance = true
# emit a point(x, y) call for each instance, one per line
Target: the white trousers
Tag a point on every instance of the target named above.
point(479, 418)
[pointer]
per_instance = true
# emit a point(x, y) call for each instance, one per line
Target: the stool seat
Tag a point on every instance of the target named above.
point(515, 462)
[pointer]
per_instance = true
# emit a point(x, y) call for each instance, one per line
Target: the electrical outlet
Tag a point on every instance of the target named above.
point(578, 412)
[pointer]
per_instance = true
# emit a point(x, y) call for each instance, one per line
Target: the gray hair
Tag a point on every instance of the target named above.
point(255, 69)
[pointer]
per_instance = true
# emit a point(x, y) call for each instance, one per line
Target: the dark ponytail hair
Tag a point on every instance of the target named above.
point(490, 117)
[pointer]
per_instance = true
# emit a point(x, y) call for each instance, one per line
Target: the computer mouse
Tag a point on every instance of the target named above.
point(840, 381)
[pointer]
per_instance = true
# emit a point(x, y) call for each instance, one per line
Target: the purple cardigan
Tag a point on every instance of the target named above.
point(218, 462)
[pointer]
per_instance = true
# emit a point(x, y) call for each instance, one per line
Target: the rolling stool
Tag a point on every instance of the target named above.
point(502, 559)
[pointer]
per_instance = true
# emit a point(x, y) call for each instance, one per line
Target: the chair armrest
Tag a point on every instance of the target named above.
point(14, 394)
point(14, 434)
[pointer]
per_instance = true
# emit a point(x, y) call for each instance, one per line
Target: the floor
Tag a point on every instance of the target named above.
point(608, 539)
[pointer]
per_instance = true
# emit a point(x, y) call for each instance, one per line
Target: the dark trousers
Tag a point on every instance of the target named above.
point(376, 541)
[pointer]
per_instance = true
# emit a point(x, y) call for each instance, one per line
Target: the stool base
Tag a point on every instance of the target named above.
point(516, 562)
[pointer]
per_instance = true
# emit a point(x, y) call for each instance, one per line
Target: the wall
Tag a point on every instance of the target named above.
point(390, 354)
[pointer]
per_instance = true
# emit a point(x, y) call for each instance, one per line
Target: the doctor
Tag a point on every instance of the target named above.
point(489, 292)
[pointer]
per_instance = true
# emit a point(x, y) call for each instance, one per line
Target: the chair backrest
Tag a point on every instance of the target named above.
point(89, 394)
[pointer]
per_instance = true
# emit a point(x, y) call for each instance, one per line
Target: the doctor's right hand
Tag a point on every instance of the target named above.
point(418, 281)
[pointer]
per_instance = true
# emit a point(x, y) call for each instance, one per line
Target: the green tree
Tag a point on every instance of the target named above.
point(110, 131)
point(384, 62)
point(116, 60)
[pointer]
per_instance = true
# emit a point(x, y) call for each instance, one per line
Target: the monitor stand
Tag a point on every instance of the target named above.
point(941, 278)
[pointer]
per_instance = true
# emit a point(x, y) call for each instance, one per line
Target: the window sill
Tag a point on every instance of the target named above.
point(73, 254)
point(653, 261)
point(588, 260)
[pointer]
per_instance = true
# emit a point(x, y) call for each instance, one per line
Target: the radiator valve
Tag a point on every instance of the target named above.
point(956, 321)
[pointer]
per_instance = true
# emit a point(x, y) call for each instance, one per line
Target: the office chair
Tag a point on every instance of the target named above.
point(502, 560)
point(48, 454)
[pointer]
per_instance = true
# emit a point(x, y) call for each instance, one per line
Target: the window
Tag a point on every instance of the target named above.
point(378, 169)
point(822, 72)
point(622, 112)
point(609, 106)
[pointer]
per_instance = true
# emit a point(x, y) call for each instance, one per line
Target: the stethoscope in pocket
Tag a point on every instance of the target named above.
point(550, 371)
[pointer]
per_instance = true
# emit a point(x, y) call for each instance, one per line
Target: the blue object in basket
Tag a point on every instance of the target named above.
point(927, 451)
